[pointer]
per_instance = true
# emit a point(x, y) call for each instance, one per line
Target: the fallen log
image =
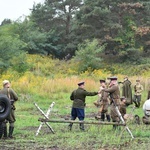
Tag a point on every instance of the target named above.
point(85, 122)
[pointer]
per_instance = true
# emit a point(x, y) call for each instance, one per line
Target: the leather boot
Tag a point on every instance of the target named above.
point(70, 126)
point(114, 127)
point(138, 104)
point(82, 127)
point(5, 132)
point(102, 116)
point(108, 118)
point(1, 130)
point(11, 129)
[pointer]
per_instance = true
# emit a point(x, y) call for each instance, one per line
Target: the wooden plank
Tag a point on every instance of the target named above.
point(85, 122)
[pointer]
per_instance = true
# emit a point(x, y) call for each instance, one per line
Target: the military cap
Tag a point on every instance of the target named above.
point(5, 82)
point(81, 83)
point(122, 98)
point(102, 80)
point(126, 77)
point(113, 78)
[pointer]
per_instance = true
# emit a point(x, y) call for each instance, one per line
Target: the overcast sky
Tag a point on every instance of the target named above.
point(14, 9)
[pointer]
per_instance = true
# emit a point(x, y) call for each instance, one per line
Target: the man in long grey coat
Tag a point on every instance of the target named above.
point(127, 91)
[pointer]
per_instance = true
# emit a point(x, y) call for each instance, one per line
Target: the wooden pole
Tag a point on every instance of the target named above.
point(85, 122)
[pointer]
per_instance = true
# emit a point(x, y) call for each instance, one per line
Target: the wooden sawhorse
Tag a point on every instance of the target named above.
point(46, 117)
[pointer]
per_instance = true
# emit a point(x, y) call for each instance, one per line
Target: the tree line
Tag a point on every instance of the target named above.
point(59, 27)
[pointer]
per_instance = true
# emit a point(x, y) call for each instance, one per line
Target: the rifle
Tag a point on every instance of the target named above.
point(120, 116)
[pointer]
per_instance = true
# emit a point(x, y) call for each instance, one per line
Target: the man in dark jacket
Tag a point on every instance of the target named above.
point(10, 93)
point(127, 91)
point(78, 97)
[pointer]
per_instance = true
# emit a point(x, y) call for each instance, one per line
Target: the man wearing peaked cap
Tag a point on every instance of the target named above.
point(114, 93)
point(78, 97)
point(11, 94)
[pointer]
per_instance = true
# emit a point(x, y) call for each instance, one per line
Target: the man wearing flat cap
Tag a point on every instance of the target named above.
point(10, 93)
point(138, 89)
point(114, 93)
point(78, 97)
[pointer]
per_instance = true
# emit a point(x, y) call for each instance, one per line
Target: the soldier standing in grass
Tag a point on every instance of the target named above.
point(123, 106)
point(103, 111)
point(78, 97)
point(114, 93)
point(10, 93)
point(138, 88)
point(127, 91)
point(98, 102)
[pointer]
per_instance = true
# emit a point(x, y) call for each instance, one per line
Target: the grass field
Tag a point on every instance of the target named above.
point(96, 137)
point(34, 87)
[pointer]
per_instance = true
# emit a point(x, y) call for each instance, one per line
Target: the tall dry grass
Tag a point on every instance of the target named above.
point(48, 76)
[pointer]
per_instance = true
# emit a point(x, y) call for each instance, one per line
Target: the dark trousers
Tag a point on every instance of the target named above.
point(137, 100)
point(77, 113)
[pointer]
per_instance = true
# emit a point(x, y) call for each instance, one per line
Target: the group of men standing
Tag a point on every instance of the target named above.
point(109, 95)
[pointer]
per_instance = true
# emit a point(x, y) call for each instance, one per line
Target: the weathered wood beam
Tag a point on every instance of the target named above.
point(85, 122)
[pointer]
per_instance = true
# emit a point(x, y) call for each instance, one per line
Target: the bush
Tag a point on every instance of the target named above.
point(88, 55)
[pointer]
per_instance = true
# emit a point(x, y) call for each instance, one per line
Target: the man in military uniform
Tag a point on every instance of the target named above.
point(78, 97)
point(10, 93)
point(138, 88)
point(114, 93)
point(146, 109)
point(98, 102)
point(104, 103)
point(123, 107)
point(127, 91)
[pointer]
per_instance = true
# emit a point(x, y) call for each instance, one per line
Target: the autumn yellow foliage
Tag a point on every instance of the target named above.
point(48, 76)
